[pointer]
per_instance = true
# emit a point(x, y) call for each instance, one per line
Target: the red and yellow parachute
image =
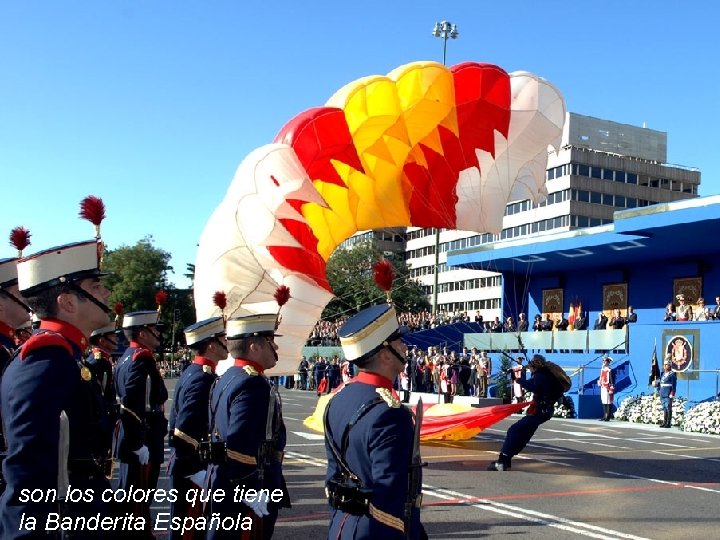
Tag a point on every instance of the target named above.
point(426, 146)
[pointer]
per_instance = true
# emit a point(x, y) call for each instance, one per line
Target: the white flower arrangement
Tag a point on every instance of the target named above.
point(644, 409)
point(704, 418)
point(563, 409)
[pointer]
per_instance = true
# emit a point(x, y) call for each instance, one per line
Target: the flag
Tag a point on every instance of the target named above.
point(654, 369)
point(447, 421)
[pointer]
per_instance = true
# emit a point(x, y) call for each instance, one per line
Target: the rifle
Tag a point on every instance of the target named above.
point(414, 493)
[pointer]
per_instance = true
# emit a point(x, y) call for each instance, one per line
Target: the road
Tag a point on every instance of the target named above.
point(577, 478)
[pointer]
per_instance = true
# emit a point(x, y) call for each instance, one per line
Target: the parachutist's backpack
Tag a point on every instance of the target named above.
point(559, 373)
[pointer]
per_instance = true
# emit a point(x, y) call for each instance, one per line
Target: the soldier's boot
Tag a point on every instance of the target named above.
point(502, 463)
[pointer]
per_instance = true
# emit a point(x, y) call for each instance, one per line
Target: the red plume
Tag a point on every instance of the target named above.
point(20, 239)
point(92, 208)
point(282, 295)
point(220, 300)
point(383, 274)
point(118, 309)
point(160, 299)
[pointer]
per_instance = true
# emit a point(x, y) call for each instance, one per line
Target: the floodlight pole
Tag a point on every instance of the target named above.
point(444, 30)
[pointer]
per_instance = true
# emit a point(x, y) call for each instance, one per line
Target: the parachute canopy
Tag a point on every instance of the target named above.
point(425, 145)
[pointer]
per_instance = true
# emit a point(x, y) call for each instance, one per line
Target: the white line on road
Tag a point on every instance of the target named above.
point(309, 436)
point(557, 522)
point(583, 529)
point(658, 481)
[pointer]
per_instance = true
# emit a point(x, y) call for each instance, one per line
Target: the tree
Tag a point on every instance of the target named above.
point(190, 273)
point(349, 271)
point(136, 274)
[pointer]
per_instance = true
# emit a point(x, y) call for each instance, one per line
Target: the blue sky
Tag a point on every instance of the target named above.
point(152, 104)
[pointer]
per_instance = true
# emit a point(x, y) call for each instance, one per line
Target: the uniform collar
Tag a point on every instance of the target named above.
point(7, 331)
point(374, 379)
point(241, 362)
point(103, 354)
point(202, 361)
point(136, 345)
point(68, 331)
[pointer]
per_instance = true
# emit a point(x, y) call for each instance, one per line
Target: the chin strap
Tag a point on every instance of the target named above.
point(82, 292)
point(221, 344)
point(16, 300)
point(403, 361)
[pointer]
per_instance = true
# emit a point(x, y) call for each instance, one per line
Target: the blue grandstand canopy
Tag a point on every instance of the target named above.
point(638, 236)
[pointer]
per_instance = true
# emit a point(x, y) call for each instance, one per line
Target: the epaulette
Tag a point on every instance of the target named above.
point(44, 339)
point(141, 353)
point(250, 371)
point(388, 397)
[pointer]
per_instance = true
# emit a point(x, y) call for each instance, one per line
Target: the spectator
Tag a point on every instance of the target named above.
point(537, 323)
point(562, 324)
point(616, 321)
point(509, 324)
point(631, 315)
point(601, 323)
point(716, 312)
point(684, 310)
point(522, 323)
point(547, 324)
point(701, 312)
point(670, 314)
point(580, 322)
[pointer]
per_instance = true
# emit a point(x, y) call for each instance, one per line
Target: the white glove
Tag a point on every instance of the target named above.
point(198, 478)
point(143, 455)
point(258, 505)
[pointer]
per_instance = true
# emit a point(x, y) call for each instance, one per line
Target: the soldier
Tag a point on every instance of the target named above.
point(104, 342)
point(546, 390)
point(56, 429)
point(667, 385)
point(140, 439)
point(14, 312)
point(246, 418)
point(373, 479)
point(189, 415)
point(606, 381)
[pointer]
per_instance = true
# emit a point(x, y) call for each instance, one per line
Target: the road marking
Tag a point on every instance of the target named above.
point(580, 433)
point(674, 455)
point(516, 512)
point(306, 444)
point(580, 528)
point(699, 487)
point(309, 436)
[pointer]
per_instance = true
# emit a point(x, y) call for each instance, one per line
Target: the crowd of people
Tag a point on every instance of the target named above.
point(683, 311)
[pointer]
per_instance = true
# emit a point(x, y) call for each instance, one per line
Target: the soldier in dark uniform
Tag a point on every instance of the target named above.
point(303, 374)
point(546, 391)
point(56, 428)
point(140, 437)
point(14, 313)
point(189, 415)
point(318, 373)
point(104, 342)
point(246, 415)
point(667, 384)
point(370, 437)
